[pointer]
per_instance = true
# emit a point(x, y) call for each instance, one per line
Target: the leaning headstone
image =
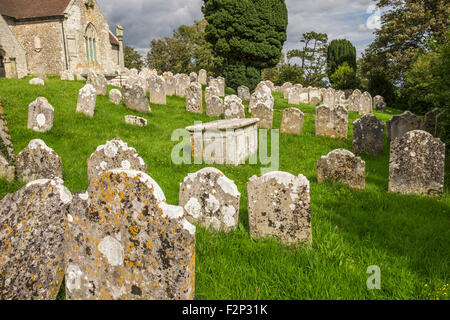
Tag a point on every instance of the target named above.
point(365, 104)
point(292, 122)
point(264, 113)
point(136, 121)
point(279, 206)
point(142, 82)
point(98, 81)
point(431, 121)
point(343, 166)
point(157, 91)
point(40, 115)
point(115, 96)
point(124, 242)
point(262, 94)
point(87, 97)
point(194, 101)
point(182, 84)
point(332, 121)
point(417, 163)
point(135, 98)
point(202, 76)
point(368, 135)
point(233, 107)
point(243, 93)
point(170, 83)
point(37, 81)
point(33, 222)
point(210, 199)
point(37, 161)
point(115, 154)
point(214, 106)
point(398, 125)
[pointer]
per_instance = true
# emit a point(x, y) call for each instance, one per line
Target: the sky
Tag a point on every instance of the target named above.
point(144, 20)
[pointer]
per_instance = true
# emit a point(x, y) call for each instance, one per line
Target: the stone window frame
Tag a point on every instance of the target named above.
point(90, 39)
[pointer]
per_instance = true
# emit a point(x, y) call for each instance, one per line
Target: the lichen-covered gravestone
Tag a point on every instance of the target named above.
point(7, 155)
point(262, 94)
point(114, 154)
point(264, 113)
point(125, 242)
point(202, 76)
point(157, 90)
point(115, 96)
point(398, 125)
point(221, 83)
point(135, 98)
point(329, 98)
point(170, 83)
point(37, 161)
point(194, 101)
point(210, 92)
point(98, 81)
point(332, 121)
point(33, 222)
point(431, 121)
point(243, 93)
point(136, 121)
point(214, 106)
point(182, 84)
point(294, 95)
point(292, 122)
point(210, 199)
point(279, 206)
point(233, 107)
point(343, 166)
point(87, 99)
point(285, 89)
point(40, 115)
point(417, 163)
point(368, 135)
point(365, 104)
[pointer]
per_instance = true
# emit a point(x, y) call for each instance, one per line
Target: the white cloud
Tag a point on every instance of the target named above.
point(145, 20)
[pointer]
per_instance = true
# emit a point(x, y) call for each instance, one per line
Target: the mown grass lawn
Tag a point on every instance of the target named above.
point(408, 237)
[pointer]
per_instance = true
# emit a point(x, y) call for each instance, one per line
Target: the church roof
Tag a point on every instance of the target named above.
point(113, 40)
point(28, 9)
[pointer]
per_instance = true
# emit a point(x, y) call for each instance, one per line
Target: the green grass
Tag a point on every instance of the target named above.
point(406, 236)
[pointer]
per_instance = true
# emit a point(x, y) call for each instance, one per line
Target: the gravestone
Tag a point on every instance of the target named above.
point(66, 75)
point(115, 154)
point(37, 82)
point(210, 200)
point(214, 106)
point(381, 106)
point(365, 104)
point(194, 101)
point(33, 224)
point(398, 125)
point(221, 82)
point(264, 113)
point(303, 95)
point(233, 107)
point(262, 94)
point(243, 93)
point(292, 122)
point(124, 242)
point(294, 95)
point(87, 98)
point(115, 96)
point(329, 98)
point(135, 98)
point(193, 77)
point(170, 83)
point(285, 89)
point(211, 91)
point(182, 84)
point(157, 90)
point(416, 164)
point(136, 121)
point(40, 115)
point(279, 207)
point(368, 135)
point(377, 99)
point(353, 102)
point(202, 76)
point(7, 155)
point(98, 81)
point(343, 166)
point(332, 121)
point(140, 81)
point(37, 161)
point(314, 96)
point(431, 122)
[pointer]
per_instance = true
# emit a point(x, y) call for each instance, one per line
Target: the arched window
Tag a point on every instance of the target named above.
point(91, 46)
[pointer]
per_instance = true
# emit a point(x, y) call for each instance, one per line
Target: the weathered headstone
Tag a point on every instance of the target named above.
point(294, 95)
point(135, 98)
point(115, 154)
point(332, 121)
point(136, 121)
point(214, 106)
point(40, 115)
point(368, 135)
point(233, 107)
point(33, 222)
point(170, 83)
point(140, 81)
point(329, 98)
point(193, 77)
point(210, 199)
point(157, 90)
point(243, 93)
point(398, 125)
point(262, 94)
point(292, 122)
point(264, 113)
point(194, 101)
point(279, 206)
point(115, 96)
point(343, 166)
point(211, 91)
point(431, 122)
point(98, 81)
point(365, 104)
point(87, 98)
point(37, 81)
point(354, 102)
point(124, 242)
point(314, 96)
point(182, 84)
point(416, 164)
point(7, 154)
point(37, 161)
point(303, 94)
point(285, 89)
point(67, 75)
point(381, 106)
point(202, 76)
point(377, 99)
point(221, 82)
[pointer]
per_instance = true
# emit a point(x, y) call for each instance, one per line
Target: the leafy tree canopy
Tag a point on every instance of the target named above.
point(132, 58)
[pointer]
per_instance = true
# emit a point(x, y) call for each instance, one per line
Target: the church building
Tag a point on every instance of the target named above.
point(52, 36)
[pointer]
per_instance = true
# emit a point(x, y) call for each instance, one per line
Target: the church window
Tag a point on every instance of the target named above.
point(90, 39)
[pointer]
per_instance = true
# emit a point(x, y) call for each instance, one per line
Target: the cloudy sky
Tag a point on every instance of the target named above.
point(144, 20)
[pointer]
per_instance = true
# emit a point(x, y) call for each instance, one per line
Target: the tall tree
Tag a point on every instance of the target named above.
point(340, 51)
point(313, 57)
point(132, 58)
point(247, 36)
